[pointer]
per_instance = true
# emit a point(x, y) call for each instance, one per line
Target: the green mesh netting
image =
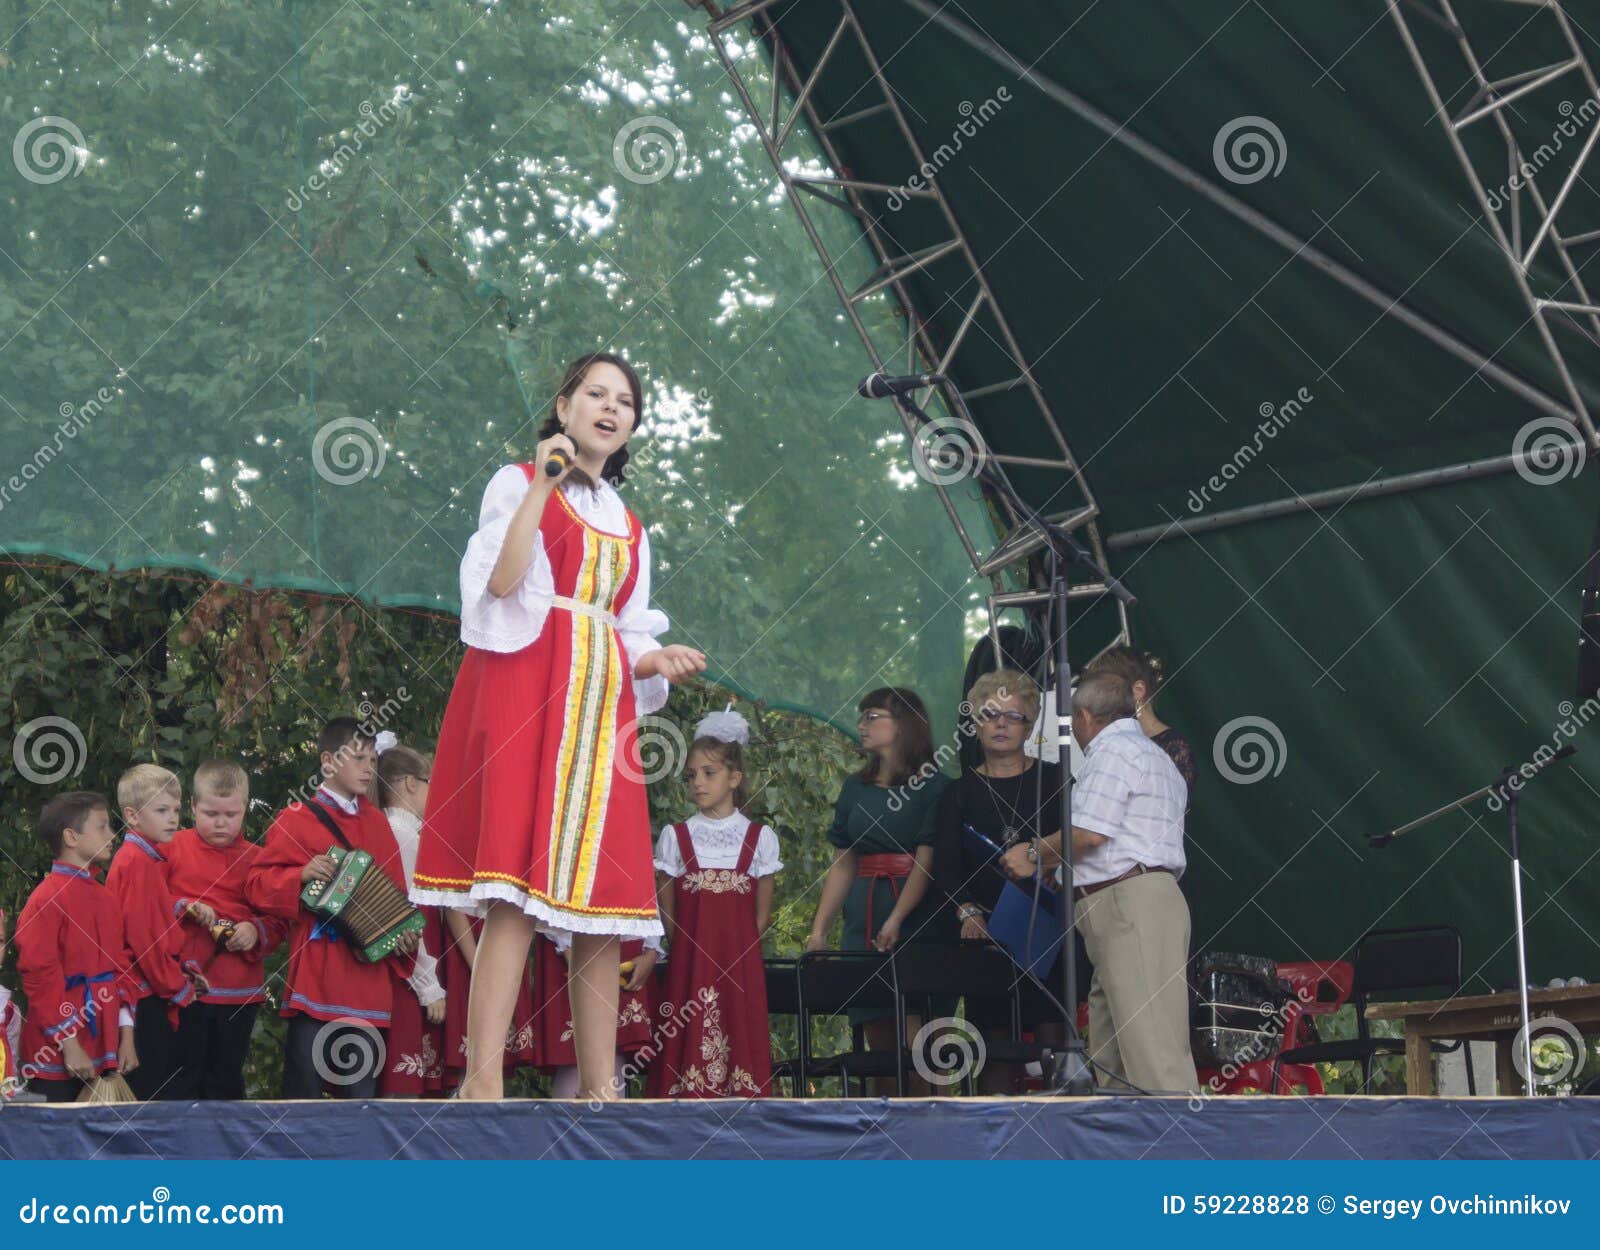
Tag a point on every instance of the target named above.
point(286, 283)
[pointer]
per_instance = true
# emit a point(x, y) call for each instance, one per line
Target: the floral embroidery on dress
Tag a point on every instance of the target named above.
point(717, 1077)
point(717, 881)
point(425, 1065)
point(631, 1012)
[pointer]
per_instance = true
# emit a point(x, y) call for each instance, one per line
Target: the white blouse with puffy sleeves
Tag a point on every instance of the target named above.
point(514, 620)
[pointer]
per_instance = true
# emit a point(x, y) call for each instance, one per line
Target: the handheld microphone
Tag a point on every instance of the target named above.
point(556, 463)
point(882, 386)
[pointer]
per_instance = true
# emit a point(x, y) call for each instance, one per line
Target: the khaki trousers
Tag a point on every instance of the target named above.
point(1137, 934)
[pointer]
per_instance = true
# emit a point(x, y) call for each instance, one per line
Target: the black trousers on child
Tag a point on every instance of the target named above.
point(157, 1043)
point(343, 1059)
point(213, 1043)
point(66, 1090)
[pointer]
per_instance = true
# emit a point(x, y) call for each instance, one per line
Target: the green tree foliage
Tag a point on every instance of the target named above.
point(304, 274)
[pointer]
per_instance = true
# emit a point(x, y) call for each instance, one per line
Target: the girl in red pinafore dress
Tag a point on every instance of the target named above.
point(716, 893)
point(553, 1049)
point(537, 813)
point(460, 936)
point(413, 1062)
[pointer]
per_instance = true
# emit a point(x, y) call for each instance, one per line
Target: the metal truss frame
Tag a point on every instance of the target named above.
point(1520, 241)
point(863, 202)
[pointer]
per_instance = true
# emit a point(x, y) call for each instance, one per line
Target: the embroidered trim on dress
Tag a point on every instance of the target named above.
point(716, 881)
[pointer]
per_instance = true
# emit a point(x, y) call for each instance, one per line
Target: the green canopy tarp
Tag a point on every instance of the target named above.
point(1389, 653)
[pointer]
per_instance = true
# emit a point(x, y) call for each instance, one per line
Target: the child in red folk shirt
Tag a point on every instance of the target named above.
point(716, 871)
point(72, 958)
point(150, 799)
point(210, 864)
point(330, 993)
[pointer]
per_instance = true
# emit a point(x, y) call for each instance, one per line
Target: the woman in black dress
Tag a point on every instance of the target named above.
point(1008, 797)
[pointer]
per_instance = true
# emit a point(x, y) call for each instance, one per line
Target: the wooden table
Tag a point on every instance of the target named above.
point(1485, 1017)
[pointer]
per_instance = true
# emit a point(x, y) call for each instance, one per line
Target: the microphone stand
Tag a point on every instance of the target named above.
point(1070, 1074)
point(1507, 788)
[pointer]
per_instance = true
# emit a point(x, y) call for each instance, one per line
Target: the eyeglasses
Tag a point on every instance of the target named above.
point(988, 715)
point(868, 718)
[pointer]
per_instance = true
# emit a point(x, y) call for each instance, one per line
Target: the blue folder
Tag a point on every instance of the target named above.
point(1008, 924)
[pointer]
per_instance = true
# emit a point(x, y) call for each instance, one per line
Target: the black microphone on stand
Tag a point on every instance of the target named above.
point(885, 386)
point(556, 463)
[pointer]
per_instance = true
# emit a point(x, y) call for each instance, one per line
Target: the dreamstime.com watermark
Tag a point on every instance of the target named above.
point(1249, 149)
point(347, 450)
point(48, 149)
point(347, 1051)
point(1547, 450)
point(160, 1209)
point(1275, 418)
point(650, 749)
point(647, 149)
point(75, 418)
point(946, 451)
point(1573, 718)
point(49, 749)
point(1559, 1053)
point(370, 720)
point(372, 121)
point(974, 119)
point(944, 753)
point(1275, 1019)
point(1545, 152)
point(1248, 749)
point(948, 1050)
point(675, 1019)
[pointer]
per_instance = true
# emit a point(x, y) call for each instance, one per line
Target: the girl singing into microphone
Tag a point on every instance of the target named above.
point(536, 815)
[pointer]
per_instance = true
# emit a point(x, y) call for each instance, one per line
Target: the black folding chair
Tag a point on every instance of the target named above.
point(830, 983)
point(973, 971)
point(783, 999)
point(1391, 965)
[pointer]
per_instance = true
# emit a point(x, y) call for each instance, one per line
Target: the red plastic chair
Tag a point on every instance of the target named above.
point(1319, 989)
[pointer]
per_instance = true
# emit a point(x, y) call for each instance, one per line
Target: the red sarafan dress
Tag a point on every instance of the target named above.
point(455, 974)
point(538, 795)
point(712, 1021)
point(552, 1016)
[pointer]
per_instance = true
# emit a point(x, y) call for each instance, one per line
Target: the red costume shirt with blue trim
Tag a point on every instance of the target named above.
point(74, 967)
point(218, 876)
point(326, 979)
point(151, 926)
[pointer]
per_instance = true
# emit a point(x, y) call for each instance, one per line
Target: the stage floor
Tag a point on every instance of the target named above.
point(930, 1128)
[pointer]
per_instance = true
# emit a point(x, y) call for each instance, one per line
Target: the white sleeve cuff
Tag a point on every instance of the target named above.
point(639, 627)
point(424, 979)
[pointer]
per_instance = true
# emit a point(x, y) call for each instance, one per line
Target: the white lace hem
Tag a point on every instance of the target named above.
point(547, 918)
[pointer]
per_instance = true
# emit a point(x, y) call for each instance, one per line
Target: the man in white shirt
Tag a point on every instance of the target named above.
point(1127, 854)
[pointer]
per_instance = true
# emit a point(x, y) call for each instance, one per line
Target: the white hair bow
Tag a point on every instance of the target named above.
point(725, 726)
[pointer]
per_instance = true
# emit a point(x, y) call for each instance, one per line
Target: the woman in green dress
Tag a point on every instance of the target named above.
point(885, 824)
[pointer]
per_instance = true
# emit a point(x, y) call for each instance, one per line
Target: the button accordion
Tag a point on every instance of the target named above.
point(363, 903)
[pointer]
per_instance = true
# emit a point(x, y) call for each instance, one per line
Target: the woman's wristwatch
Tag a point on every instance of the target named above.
point(1033, 852)
point(969, 911)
